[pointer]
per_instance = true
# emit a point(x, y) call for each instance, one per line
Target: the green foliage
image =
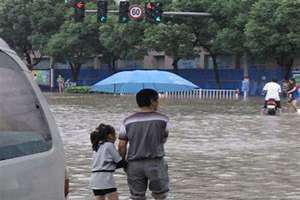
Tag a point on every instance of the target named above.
point(266, 28)
point(176, 40)
point(231, 18)
point(75, 43)
point(122, 41)
point(273, 28)
point(27, 25)
point(78, 89)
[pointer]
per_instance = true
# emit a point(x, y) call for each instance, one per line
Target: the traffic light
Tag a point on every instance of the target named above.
point(158, 12)
point(123, 11)
point(79, 10)
point(149, 11)
point(153, 12)
point(102, 11)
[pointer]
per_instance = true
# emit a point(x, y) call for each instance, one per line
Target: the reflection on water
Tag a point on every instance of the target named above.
point(216, 150)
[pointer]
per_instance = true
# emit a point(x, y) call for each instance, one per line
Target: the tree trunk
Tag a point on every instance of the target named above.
point(237, 61)
point(114, 67)
point(215, 66)
point(288, 68)
point(216, 70)
point(245, 65)
point(28, 60)
point(287, 64)
point(175, 64)
point(111, 65)
point(75, 68)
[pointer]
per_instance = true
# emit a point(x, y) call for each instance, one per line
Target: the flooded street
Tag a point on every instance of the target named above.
point(215, 150)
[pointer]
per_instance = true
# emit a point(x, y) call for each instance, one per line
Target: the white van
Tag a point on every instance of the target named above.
point(31, 150)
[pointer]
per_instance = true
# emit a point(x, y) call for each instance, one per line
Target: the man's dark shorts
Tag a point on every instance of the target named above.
point(143, 172)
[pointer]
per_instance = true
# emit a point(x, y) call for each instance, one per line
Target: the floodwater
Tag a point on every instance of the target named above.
point(216, 150)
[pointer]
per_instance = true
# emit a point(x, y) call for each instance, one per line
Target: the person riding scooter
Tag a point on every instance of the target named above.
point(272, 90)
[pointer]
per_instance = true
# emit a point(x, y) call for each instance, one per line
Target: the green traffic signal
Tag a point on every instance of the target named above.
point(158, 19)
point(102, 11)
point(124, 20)
point(123, 12)
point(102, 19)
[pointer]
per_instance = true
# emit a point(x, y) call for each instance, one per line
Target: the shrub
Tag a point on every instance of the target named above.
point(78, 89)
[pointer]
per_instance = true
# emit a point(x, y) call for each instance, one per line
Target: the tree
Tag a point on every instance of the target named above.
point(232, 17)
point(273, 31)
point(75, 43)
point(175, 40)
point(121, 41)
point(28, 24)
point(204, 29)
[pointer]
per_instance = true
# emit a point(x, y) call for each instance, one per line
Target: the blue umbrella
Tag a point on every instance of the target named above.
point(134, 81)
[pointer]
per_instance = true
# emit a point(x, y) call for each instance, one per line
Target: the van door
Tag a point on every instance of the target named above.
point(31, 152)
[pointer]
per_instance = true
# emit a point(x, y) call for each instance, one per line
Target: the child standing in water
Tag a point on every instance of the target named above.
point(105, 160)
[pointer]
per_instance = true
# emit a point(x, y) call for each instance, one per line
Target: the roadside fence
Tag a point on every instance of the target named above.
point(203, 94)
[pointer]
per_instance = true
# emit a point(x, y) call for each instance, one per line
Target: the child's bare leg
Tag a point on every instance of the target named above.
point(99, 197)
point(113, 196)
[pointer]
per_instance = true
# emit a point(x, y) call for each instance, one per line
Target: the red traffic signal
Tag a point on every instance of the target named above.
point(153, 12)
point(150, 6)
point(79, 10)
point(80, 5)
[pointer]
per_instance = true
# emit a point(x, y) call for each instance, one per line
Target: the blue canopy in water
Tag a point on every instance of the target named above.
point(133, 81)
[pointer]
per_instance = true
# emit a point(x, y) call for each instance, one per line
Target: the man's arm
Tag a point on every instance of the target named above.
point(122, 148)
point(166, 133)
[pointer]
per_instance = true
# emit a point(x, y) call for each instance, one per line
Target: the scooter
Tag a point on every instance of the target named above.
point(272, 108)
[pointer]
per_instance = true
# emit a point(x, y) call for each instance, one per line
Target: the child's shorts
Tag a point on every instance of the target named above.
point(104, 191)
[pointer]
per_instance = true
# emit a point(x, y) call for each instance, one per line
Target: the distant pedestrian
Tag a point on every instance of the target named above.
point(245, 87)
point(34, 76)
point(146, 132)
point(61, 83)
point(293, 94)
point(105, 160)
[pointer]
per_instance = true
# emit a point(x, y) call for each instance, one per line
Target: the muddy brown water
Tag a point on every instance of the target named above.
point(217, 150)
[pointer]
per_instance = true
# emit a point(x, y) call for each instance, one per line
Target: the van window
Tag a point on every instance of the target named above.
point(23, 128)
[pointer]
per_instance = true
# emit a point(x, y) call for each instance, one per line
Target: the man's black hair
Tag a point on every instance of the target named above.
point(145, 96)
point(274, 79)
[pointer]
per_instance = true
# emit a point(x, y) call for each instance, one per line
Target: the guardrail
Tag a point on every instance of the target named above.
point(202, 94)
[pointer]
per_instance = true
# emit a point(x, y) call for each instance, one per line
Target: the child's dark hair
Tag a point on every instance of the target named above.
point(100, 135)
point(145, 96)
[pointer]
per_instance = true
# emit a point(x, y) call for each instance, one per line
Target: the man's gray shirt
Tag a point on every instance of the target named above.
point(146, 133)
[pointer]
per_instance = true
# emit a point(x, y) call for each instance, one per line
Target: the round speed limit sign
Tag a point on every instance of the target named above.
point(136, 12)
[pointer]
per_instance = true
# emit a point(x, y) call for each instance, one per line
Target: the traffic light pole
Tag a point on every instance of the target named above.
point(164, 13)
point(187, 13)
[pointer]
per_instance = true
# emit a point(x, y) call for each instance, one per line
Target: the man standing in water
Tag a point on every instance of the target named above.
point(245, 87)
point(146, 132)
point(61, 83)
